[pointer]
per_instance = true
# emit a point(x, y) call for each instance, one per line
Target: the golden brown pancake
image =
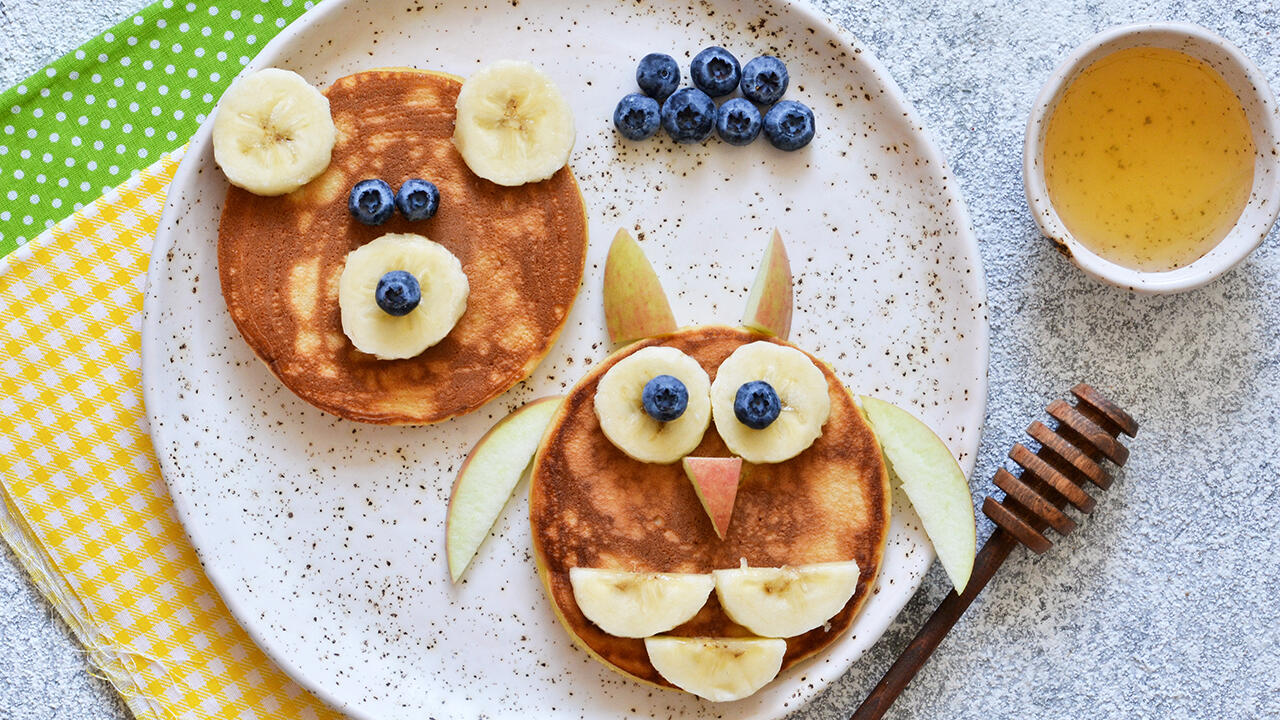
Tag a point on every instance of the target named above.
point(591, 505)
point(522, 248)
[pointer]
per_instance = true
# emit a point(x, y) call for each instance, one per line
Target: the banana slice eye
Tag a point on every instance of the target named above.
point(769, 402)
point(650, 384)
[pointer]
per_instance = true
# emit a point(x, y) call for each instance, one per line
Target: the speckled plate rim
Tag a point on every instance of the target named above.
point(869, 629)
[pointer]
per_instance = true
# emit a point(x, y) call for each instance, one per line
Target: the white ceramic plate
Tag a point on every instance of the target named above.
point(325, 537)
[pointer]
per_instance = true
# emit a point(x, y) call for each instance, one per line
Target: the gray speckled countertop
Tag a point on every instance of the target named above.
point(1166, 602)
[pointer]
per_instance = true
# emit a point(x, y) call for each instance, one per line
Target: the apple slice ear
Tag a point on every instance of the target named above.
point(716, 482)
point(769, 304)
point(635, 305)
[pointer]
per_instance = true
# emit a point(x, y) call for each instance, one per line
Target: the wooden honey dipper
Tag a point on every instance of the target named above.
point(1051, 478)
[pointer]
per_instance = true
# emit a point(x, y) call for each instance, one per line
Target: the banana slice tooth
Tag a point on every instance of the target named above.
point(273, 132)
point(785, 602)
point(633, 605)
point(717, 669)
point(621, 412)
point(801, 386)
point(513, 125)
point(444, 296)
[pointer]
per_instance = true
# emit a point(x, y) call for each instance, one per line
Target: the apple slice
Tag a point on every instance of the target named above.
point(635, 605)
point(635, 305)
point(716, 669)
point(488, 476)
point(934, 483)
point(716, 482)
point(770, 303)
point(787, 601)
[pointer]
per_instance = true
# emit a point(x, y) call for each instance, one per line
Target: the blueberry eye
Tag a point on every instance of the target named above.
point(371, 202)
point(757, 405)
point(665, 398)
point(398, 293)
point(418, 199)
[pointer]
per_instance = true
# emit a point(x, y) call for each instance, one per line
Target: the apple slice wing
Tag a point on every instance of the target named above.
point(933, 481)
point(716, 669)
point(488, 476)
point(635, 305)
point(770, 302)
point(715, 480)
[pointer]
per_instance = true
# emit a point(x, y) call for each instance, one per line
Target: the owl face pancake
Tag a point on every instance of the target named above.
point(522, 248)
point(593, 506)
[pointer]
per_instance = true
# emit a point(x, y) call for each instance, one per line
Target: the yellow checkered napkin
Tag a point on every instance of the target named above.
point(84, 506)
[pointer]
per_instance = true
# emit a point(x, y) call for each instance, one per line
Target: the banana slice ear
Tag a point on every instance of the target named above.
point(770, 302)
point(635, 306)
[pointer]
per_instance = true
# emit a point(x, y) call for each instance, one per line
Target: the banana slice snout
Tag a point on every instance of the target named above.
point(442, 287)
point(273, 132)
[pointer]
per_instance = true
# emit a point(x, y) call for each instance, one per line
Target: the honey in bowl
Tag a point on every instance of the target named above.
point(1148, 158)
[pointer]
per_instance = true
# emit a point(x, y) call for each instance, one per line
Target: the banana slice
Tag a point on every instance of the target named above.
point(788, 601)
point(633, 605)
point(800, 386)
point(717, 669)
point(513, 126)
point(623, 419)
point(273, 132)
point(443, 286)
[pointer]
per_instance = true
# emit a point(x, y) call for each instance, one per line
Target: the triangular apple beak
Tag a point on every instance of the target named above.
point(716, 482)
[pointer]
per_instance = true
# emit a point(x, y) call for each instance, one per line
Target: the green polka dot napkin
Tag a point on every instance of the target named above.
point(89, 120)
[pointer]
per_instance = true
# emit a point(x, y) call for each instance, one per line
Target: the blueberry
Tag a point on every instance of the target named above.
point(398, 293)
point(715, 71)
point(757, 404)
point(637, 116)
point(371, 202)
point(418, 199)
point(789, 125)
point(689, 115)
point(665, 398)
point(738, 122)
point(764, 79)
point(658, 75)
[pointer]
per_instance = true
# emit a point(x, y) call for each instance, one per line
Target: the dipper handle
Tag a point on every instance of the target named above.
point(1052, 477)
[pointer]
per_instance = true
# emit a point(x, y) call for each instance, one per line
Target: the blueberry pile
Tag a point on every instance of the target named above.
point(372, 202)
point(690, 115)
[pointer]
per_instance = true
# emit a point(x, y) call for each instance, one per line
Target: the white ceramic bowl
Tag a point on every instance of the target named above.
point(1260, 107)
